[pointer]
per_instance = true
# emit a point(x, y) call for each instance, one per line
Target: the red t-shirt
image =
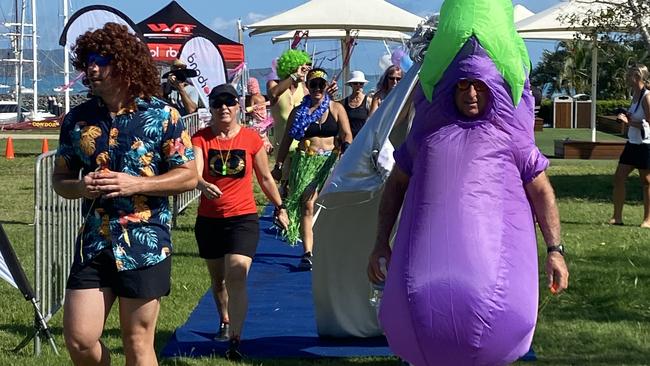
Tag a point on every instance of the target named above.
point(237, 182)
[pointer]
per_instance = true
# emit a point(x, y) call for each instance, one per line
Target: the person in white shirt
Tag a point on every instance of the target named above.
point(636, 154)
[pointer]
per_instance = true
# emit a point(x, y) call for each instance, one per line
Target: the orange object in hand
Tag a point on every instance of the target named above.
point(553, 288)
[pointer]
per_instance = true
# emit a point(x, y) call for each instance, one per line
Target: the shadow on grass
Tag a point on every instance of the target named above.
point(593, 187)
point(13, 222)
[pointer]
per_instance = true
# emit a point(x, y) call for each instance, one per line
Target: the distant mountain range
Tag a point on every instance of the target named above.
point(50, 69)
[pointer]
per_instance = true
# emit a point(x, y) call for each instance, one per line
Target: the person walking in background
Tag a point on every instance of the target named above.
point(322, 130)
point(284, 95)
point(636, 154)
point(133, 151)
point(256, 109)
point(387, 82)
point(356, 104)
point(227, 225)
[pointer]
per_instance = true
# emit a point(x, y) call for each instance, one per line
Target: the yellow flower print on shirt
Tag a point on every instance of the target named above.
point(87, 141)
point(112, 140)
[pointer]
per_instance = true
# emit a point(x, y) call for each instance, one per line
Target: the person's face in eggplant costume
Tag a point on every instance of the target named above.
point(471, 97)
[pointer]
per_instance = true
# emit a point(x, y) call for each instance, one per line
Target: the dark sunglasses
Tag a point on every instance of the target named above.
point(464, 85)
point(355, 83)
point(229, 102)
point(317, 84)
point(394, 78)
point(99, 60)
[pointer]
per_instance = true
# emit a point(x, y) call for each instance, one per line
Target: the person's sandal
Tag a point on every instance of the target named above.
point(305, 262)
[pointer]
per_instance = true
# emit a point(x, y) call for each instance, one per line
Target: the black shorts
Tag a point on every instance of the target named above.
point(636, 155)
point(143, 283)
point(217, 237)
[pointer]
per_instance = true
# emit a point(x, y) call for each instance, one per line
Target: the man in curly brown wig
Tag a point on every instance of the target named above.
point(133, 151)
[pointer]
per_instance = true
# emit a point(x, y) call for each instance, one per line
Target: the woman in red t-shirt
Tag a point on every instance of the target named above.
point(227, 226)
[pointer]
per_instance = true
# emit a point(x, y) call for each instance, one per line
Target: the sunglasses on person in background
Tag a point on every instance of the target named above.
point(229, 102)
point(99, 60)
point(317, 84)
point(394, 78)
point(464, 85)
point(356, 83)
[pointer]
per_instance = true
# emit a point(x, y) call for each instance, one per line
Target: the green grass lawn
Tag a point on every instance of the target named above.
point(603, 319)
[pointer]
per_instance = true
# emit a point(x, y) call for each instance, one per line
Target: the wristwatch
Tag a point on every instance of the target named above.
point(281, 207)
point(294, 77)
point(556, 248)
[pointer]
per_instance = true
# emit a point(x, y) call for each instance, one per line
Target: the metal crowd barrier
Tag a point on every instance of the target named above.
point(181, 201)
point(57, 222)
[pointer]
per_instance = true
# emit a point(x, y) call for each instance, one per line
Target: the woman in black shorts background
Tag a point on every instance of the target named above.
point(636, 154)
point(227, 226)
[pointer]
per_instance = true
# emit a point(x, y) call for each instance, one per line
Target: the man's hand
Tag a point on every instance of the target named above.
point(115, 184)
point(173, 81)
point(89, 188)
point(375, 275)
point(556, 272)
point(622, 117)
point(210, 190)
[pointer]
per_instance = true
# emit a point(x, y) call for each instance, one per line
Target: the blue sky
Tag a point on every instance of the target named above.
point(222, 18)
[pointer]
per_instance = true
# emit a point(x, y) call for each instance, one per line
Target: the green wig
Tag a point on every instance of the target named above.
point(290, 61)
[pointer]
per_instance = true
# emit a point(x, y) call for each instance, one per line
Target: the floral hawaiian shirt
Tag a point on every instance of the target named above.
point(145, 140)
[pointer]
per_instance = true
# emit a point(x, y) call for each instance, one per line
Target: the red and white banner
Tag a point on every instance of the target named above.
point(202, 55)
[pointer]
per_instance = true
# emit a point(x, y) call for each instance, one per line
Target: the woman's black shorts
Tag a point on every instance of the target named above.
point(636, 155)
point(231, 235)
point(143, 283)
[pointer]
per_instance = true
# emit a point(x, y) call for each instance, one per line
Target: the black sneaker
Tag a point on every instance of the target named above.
point(224, 332)
point(233, 353)
point(305, 262)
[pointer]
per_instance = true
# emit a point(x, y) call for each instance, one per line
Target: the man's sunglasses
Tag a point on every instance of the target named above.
point(355, 83)
point(317, 84)
point(464, 84)
point(99, 60)
point(394, 78)
point(229, 102)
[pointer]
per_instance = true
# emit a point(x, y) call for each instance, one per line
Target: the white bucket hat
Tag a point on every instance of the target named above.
point(357, 77)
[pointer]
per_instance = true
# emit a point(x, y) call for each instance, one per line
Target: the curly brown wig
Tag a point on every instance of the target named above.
point(131, 60)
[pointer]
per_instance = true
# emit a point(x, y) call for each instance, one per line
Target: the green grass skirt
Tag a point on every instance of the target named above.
point(307, 171)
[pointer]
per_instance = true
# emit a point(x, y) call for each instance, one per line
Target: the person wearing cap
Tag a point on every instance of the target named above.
point(322, 131)
point(227, 225)
point(123, 152)
point(178, 91)
point(356, 104)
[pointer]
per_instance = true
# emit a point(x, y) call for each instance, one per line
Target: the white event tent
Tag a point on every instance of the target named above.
point(342, 15)
point(553, 24)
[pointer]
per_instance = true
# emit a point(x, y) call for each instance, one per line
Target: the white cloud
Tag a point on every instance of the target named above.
point(255, 17)
point(221, 24)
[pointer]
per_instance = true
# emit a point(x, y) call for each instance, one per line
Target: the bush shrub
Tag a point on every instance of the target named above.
point(603, 108)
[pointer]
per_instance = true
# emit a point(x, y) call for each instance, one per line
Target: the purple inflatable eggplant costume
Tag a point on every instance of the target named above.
point(462, 286)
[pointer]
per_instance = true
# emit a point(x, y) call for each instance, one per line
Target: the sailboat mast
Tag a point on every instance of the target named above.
point(66, 61)
point(19, 93)
point(34, 60)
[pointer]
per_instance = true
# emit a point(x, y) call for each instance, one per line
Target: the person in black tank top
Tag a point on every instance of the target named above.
point(322, 129)
point(356, 104)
